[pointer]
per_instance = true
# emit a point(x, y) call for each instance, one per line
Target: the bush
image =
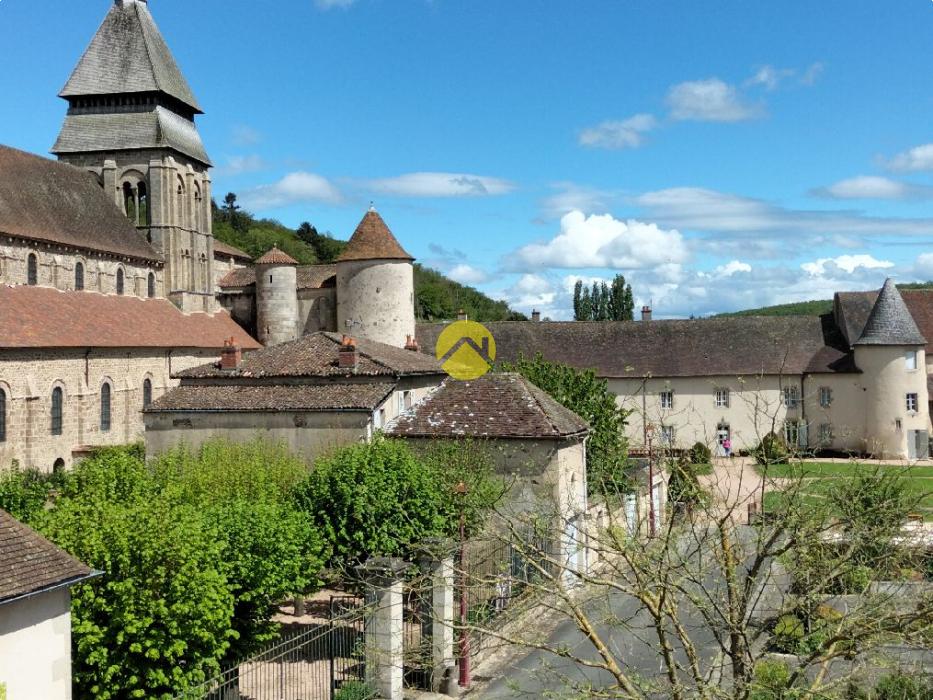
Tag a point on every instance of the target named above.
point(700, 454)
point(683, 486)
point(788, 634)
point(770, 682)
point(24, 493)
point(901, 686)
point(771, 450)
point(355, 690)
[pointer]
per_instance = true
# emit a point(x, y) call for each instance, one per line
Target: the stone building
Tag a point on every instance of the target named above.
point(854, 381)
point(35, 613)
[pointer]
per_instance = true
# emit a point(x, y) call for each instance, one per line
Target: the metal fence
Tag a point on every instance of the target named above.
point(321, 662)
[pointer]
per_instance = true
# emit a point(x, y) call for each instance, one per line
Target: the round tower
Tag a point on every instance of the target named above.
point(376, 285)
point(276, 298)
point(890, 353)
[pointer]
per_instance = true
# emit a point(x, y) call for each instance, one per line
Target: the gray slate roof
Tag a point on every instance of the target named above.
point(128, 55)
point(158, 128)
point(335, 396)
point(890, 322)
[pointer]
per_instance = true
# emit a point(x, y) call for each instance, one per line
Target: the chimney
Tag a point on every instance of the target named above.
point(646, 313)
point(231, 356)
point(348, 357)
point(462, 315)
point(411, 343)
point(535, 315)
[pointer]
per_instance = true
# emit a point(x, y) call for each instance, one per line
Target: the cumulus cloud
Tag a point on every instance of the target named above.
point(846, 263)
point(770, 77)
point(294, 188)
point(914, 160)
point(616, 135)
point(430, 184)
point(237, 165)
point(602, 241)
point(873, 187)
point(467, 274)
point(538, 292)
point(731, 268)
point(710, 100)
point(923, 267)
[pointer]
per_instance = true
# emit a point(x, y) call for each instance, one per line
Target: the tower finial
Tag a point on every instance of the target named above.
point(372, 206)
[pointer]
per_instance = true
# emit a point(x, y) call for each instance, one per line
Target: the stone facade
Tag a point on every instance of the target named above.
point(276, 304)
point(375, 300)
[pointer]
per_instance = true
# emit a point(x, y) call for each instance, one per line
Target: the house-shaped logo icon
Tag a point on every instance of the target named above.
point(466, 350)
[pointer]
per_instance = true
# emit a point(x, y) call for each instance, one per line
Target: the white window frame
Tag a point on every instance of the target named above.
point(912, 360)
point(667, 435)
point(666, 399)
point(826, 397)
point(791, 397)
point(722, 397)
point(379, 419)
point(792, 433)
point(913, 402)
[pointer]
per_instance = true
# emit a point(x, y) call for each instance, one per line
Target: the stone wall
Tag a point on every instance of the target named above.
point(375, 300)
point(28, 377)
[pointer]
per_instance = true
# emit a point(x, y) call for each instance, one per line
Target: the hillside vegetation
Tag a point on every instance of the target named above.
point(437, 298)
point(815, 307)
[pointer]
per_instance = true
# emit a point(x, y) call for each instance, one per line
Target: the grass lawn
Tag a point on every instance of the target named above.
point(822, 477)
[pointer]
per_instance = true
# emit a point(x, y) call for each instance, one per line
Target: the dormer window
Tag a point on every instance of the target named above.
point(912, 359)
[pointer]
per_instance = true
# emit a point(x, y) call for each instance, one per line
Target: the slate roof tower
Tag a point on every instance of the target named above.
point(130, 122)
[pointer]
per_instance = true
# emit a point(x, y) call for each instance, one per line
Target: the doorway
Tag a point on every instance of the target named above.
point(723, 434)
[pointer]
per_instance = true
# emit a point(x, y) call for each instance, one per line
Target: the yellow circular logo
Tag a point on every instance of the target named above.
point(466, 350)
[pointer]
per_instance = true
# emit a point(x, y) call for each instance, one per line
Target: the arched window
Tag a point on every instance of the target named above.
point(32, 269)
point(2, 415)
point(120, 280)
point(143, 204)
point(147, 392)
point(151, 289)
point(59, 466)
point(79, 276)
point(57, 399)
point(105, 407)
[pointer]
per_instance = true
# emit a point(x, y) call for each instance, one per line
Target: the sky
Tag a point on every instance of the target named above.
point(721, 154)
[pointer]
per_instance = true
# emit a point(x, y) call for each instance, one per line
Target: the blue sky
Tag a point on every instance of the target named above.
point(719, 153)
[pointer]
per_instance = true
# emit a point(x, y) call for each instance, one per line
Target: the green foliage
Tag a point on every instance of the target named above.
point(355, 690)
point(800, 308)
point(684, 486)
point(257, 236)
point(382, 499)
point(325, 246)
point(24, 492)
point(700, 454)
point(438, 298)
point(771, 682)
point(771, 450)
point(603, 302)
point(589, 397)
point(788, 634)
point(902, 686)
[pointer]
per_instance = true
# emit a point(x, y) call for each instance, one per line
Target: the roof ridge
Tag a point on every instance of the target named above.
point(531, 387)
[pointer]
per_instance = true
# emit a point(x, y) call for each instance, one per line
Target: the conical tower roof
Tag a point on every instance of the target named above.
point(128, 55)
point(889, 322)
point(276, 257)
point(373, 240)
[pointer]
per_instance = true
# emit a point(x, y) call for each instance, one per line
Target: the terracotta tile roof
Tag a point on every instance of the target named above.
point(226, 250)
point(128, 55)
point(735, 346)
point(41, 317)
point(373, 240)
point(497, 405)
point(29, 563)
point(335, 396)
point(309, 277)
point(276, 257)
point(316, 355)
point(44, 200)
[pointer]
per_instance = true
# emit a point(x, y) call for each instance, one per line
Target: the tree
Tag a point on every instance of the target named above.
point(586, 305)
point(578, 301)
point(621, 301)
point(230, 206)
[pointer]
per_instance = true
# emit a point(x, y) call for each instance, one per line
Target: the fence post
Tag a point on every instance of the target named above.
point(382, 579)
point(438, 563)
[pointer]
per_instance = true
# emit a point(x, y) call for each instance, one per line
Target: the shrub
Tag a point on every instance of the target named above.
point(770, 682)
point(24, 493)
point(901, 686)
point(787, 636)
point(684, 486)
point(771, 450)
point(700, 454)
point(355, 690)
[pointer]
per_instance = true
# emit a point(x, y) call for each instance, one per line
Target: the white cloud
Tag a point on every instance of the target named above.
point(769, 77)
point(710, 100)
point(812, 73)
point(846, 263)
point(569, 197)
point(330, 4)
point(294, 188)
point(431, 184)
point(916, 159)
point(615, 135)
point(467, 274)
point(731, 268)
point(602, 241)
point(872, 187)
point(237, 165)
point(924, 266)
point(245, 135)
point(538, 292)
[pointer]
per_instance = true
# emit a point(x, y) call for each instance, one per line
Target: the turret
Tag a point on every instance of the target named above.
point(276, 298)
point(375, 285)
point(890, 353)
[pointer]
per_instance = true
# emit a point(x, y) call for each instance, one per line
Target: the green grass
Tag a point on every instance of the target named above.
point(823, 469)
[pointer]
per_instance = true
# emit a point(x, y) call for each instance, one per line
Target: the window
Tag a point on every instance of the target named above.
point(58, 466)
point(912, 403)
point(826, 396)
point(897, 423)
point(79, 276)
point(722, 398)
point(105, 407)
point(379, 419)
point(32, 269)
point(151, 291)
point(911, 359)
point(147, 392)
point(57, 397)
point(791, 433)
point(826, 433)
point(667, 399)
point(406, 399)
point(120, 280)
point(791, 397)
point(2, 415)
point(667, 434)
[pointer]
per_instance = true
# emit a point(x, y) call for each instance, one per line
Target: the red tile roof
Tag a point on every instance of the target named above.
point(276, 257)
point(373, 240)
point(41, 317)
point(29, 563)
point(229, 251)
point(308, 277)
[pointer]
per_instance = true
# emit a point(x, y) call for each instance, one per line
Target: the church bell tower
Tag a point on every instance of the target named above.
point(130, 121)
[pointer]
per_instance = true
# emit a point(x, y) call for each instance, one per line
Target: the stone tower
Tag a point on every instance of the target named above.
point(375, 285)
point(890, 353)
point(276, 298)
point(130, 121)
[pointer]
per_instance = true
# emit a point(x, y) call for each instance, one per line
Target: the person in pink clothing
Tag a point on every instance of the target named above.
point(727, 447)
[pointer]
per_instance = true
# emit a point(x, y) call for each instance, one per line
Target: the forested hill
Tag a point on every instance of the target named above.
point(811, 308)
point(437, 298)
